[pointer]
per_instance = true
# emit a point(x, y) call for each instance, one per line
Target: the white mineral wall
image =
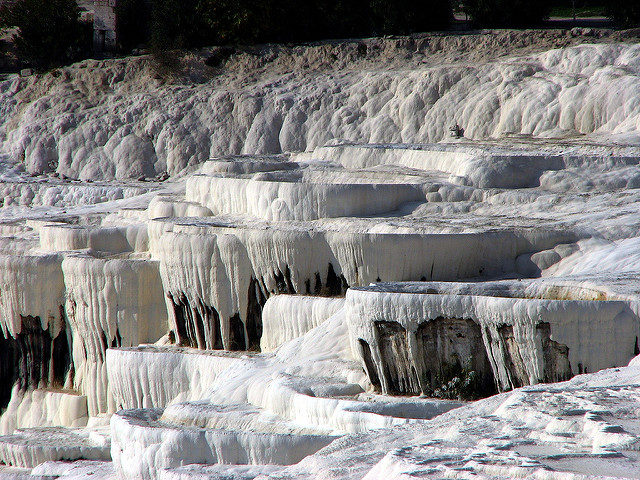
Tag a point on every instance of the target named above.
point(109, 302)
point(305, 381)
point(241, 472)
point(43, 408)
point(30, 194)
point(363, 257)
point(276, 201)
point(211, 270)
point(155, 378)
point(282, 396)
point(161, 207)
point(465, 164)
point(372, 257)
point(436, 157)
point(62, 237)
point(31, 285)
point(300, 385)
point(145, 128)
point(213, 266)
point(586, 327)
point(141, 446)
point(285, 317)
point(302, 253)
point(156, 227)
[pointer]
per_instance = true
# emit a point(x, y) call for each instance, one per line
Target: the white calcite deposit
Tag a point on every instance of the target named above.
point(284, 268)
point(415, 337)
point(285, 317)
point(125, 123)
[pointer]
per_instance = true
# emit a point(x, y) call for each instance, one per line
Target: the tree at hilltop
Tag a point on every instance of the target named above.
point(174, 24)
point(49, 32)
point(506, 13)
point(625, 14)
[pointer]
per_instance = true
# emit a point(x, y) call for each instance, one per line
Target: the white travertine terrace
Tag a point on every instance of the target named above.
point(31, 286)
point(274, 200)
point(290, 280)
point(213, 274)
point(129, 124)
point(44, 408)
point(109, 303)
point(285, 317)
point(62, 237)
point(30, 448)
point(524, 340)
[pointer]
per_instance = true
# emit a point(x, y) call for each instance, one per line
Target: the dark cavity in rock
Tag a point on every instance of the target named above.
point(33, 359)
point(557, 367)
point(256, 300)
point(369, 365)
point(455, 365)
point(400, 377)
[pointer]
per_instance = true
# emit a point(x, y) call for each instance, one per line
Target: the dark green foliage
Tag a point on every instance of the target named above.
point(461, 383)
point(229, 21)
point(581, 8)
point(506, 13)
point(134, 23)
point(49, 31)
point(176, 24)
point(407, 16)
point(196, 23)
point(624, 13)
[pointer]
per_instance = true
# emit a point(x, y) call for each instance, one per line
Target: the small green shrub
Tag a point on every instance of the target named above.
point(457, 382)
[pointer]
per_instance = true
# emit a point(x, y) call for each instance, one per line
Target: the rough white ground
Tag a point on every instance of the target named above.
point(210, 325)
point(100, 120)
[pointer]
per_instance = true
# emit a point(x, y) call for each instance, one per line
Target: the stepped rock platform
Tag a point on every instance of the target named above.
point(287, 270)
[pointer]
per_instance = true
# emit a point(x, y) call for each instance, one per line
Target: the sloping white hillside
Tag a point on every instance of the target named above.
point(334, 288)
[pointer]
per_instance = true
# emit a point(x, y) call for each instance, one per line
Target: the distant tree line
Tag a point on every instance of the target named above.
point(532, 13)
point(50, 32)
point(506, 13)
point(193, 23)
point(624, 13)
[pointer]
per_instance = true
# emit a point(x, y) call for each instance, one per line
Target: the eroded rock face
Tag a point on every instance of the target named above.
point(398, 370)
point(190, 324)
point(452, 348)
point(369, 365)
point(506, 350)
point(489, 344)
point(33, 359)
point(452, 359)
point(443, 358)
point(229, 316)
point(508, 354)
point(557, 367)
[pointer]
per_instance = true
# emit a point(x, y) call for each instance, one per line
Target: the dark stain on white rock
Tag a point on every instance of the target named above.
point(454, 360)
point(33, 359)
point(557, 367)
point(397, 368)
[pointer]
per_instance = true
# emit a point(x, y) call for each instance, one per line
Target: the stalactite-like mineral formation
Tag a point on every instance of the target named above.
point(274, 272)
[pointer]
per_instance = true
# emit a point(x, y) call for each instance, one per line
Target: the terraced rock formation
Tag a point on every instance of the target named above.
point(322, 292)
